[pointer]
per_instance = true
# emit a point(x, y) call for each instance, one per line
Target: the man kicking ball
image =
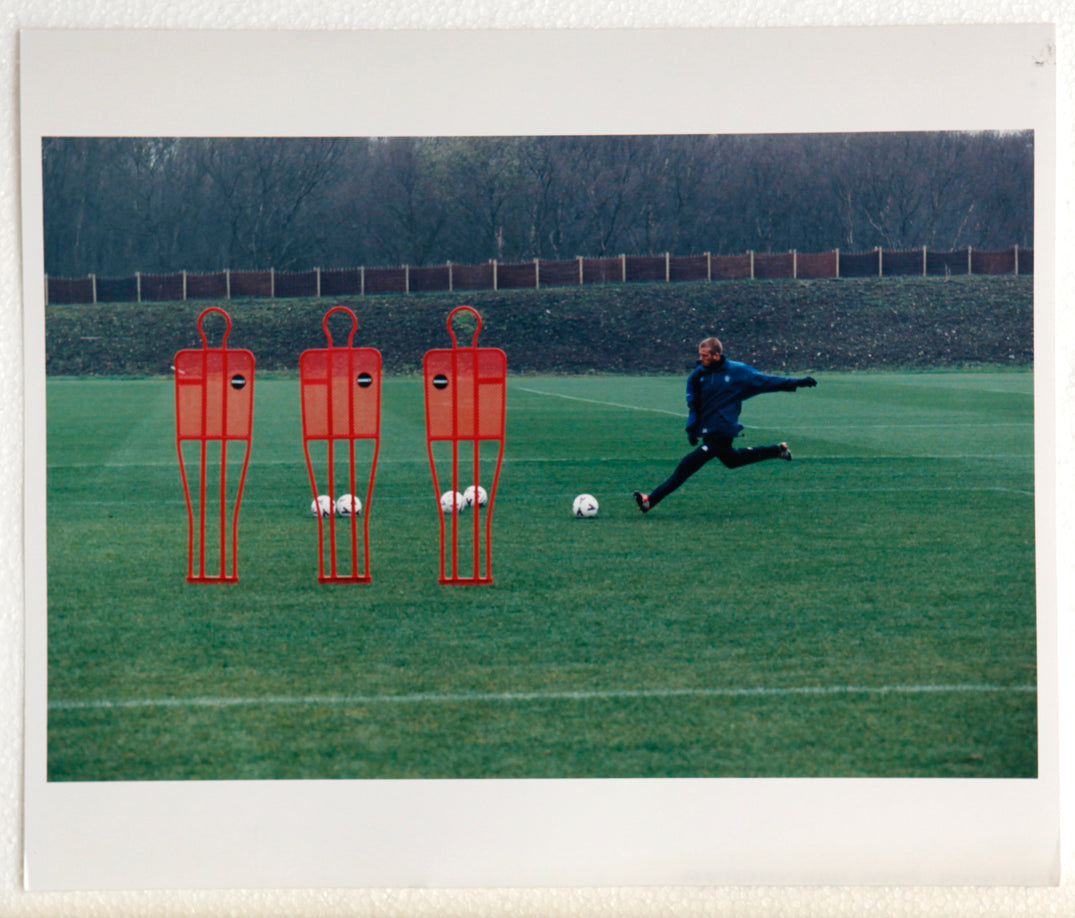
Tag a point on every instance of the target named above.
point(716, 390)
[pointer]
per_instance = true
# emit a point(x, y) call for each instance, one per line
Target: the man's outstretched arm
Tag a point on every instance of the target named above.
point(763, 382)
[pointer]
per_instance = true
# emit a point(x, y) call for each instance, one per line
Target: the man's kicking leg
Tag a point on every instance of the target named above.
point(713, 448)
point(736, 458)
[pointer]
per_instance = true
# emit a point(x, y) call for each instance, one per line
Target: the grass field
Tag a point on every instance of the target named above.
point(865, 610)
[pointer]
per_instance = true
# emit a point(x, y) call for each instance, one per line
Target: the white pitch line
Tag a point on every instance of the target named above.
point(472, 697)
point(596, 401)
point(590, 460)
point(813, 427)
point(899, 426)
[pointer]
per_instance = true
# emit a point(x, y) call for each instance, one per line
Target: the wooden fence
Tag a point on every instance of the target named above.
point(223, 285)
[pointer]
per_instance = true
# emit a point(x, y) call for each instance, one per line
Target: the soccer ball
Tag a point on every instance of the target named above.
point(348, 505)
point(475, 497)
point(322, 506)
point(584, 506)
point(451, 501)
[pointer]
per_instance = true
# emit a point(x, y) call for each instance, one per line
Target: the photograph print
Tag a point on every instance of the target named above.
point(644, 477)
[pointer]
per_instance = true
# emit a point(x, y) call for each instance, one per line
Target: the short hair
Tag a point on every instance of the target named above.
point(712, 344)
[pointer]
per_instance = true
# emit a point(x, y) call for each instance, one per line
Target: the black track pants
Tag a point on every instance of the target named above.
point(712, 448)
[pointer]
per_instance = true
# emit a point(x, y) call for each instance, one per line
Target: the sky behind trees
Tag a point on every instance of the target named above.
point(114, 206)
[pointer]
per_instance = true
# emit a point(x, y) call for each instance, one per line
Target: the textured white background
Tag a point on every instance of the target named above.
point(322, 14)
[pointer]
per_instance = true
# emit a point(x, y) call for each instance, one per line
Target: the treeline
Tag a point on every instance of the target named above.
point(117, 206)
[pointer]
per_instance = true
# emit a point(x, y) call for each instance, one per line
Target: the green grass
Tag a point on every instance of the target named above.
point(725, 634)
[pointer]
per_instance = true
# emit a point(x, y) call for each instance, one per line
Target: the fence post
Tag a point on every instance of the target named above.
point(93, 284)
point(923, 261)
point(837, 264)
point(708, 266)
point(227, 282)
point(537, 273)
point(667, 267)
point(272, 283)
point(362, 280)
point(494, 274)
point(579, 257)
point(451, 280)
point(1016, 261)
point(880, 262)
point(794, 264)
point(970, 260)
point(752, 264)
point(184, 286)
point(138, 286)
point(317, 271)
point(406, 278)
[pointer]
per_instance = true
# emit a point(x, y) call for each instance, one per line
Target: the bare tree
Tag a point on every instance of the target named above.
point(120, 205)
point(263, 190)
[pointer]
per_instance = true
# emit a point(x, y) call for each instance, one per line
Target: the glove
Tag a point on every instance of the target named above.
point(807, 382)
point(692, 438)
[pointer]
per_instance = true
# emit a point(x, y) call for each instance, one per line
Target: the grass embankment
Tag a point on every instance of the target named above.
point(622, 328)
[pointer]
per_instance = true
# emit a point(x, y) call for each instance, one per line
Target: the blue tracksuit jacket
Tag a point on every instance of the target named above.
point(715, 397)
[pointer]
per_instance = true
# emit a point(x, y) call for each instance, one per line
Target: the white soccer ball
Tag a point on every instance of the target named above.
point(584, 506)
point(348, 505)
point(451, 502)
point(475, 496)
point(322, 506)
